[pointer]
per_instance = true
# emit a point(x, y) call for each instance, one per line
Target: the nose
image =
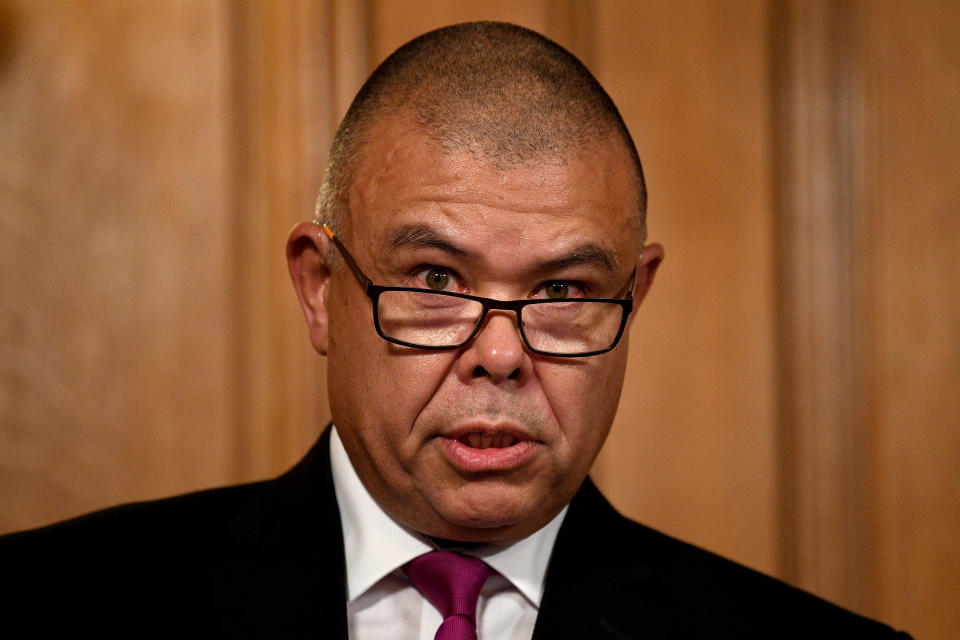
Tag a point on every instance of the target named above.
point(496, 352)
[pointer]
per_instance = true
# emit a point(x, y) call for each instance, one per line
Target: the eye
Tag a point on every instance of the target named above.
point(557, 290)
point(436, 278)
point(561, 290)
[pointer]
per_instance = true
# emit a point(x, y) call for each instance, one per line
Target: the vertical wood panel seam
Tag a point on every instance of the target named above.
point(238, 322)
point(778, 30)
point(822, 491)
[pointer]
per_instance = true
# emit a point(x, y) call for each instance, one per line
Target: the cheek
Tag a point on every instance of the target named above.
point(413, 379)
point(373, 382)
point(584, 397)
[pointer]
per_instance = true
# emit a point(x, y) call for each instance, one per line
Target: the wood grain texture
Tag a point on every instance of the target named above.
point(282, 71)
point(911, 200)
point(113, 314)
point(824, 542)
point(869, 145)
point(692, 448)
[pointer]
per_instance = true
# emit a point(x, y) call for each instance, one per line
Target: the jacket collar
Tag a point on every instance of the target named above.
point(285, 575)
point(599, 584)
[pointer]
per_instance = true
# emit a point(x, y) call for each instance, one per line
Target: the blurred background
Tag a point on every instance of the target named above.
point(793, 394)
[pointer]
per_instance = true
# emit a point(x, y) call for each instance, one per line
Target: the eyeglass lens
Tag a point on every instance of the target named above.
point(434, 320)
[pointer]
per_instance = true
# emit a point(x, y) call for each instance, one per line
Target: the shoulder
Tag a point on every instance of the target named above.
point(113, 558)
point(201, 514)
point(197, 561)
point(190, 523)
point(686, 589)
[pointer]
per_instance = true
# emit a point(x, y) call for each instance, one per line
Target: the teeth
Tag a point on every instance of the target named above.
point(502, 441)
point(478, 440)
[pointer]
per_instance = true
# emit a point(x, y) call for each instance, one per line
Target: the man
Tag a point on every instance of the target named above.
point(476, 261)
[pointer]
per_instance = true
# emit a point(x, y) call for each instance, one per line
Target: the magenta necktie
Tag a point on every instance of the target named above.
point(451, 582)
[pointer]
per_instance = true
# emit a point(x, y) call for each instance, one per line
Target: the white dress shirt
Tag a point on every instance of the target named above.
point(381, 601)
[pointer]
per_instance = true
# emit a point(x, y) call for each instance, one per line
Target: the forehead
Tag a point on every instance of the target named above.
point(403, 178)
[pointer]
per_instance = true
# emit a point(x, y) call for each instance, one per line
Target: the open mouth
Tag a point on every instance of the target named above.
point(483, 449)
point(477, 440)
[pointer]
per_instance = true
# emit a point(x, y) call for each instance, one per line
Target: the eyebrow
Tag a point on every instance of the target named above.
point(418, 236)
point(587, 254)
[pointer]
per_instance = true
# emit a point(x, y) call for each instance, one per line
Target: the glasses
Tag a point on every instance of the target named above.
point(440, 320)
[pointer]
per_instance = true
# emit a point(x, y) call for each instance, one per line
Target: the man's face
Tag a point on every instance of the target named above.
point(490, 441)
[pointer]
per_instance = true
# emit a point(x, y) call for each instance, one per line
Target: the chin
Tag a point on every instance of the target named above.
point(486, 535)
point(485, 522)
point(494, 523)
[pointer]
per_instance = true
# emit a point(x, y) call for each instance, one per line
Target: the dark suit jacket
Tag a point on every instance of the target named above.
point(266, 560)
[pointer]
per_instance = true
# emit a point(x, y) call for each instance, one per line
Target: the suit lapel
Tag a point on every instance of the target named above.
point(285, 574)
point(599, 584)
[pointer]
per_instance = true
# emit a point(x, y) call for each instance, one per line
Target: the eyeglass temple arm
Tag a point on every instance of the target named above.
point(630, 285)
point(364, 281)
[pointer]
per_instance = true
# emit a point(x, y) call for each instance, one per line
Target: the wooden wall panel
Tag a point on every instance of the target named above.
point(286, 93)
point(868, 145)
point(113, 257)
point(692, 449)
point(911, 196)
point(824, 537)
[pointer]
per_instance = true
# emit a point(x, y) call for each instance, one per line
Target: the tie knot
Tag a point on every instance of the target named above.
point(450, 581)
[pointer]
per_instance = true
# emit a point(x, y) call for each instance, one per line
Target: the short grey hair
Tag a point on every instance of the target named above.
point(501, 92)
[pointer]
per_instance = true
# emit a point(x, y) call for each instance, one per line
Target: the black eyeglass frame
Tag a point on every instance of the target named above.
point(373, 291)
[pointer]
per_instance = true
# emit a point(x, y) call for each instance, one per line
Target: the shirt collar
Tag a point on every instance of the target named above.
point(376, 545)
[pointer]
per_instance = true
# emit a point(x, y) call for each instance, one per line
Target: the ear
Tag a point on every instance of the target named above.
point(647, 265)
point(307, 262)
